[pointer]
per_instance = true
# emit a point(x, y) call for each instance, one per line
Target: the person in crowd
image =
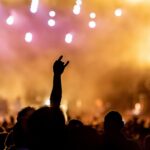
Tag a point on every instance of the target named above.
point(46, 129)
point(46, 126)
point(17, 137)
point(82, 137)
point(113, 138)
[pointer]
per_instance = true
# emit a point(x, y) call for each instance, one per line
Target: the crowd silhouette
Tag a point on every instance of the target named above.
point(47, 129)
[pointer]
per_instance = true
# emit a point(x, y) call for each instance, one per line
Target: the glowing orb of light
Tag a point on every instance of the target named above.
point(118, 12)
point(10, 20)
point(51, 22)
point(52, 13)
point(137, 109)
point(92, 24)
point(92, 15)
point(28, 37)
point(68, 38)
point(34, 6)
point(47, 102)
point(64, 107)
point(76, 9)
point(79, 2)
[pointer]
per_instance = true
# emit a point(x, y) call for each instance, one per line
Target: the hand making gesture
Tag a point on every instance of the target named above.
point(56, 94)
point(59, 66)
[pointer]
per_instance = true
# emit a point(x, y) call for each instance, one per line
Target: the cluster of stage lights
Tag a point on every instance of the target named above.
point(51, 22)
point(92, 23)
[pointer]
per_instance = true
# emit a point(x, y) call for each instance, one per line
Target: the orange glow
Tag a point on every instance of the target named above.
point(137, 109)
point(107, 44)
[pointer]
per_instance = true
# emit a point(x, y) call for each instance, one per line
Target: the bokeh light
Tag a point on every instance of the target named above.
point(34, 6)
point(137, 109)
point(52, 13)
point(68, 38)
point(109, 37)
point(92, 15)
point(10, 20)
point(92, 24)
point(118, 12)
point(47, 102)
point(51, 22)
point(76, 9)
point(28, 37)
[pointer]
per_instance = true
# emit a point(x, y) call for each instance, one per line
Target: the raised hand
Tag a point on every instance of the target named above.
point(59, 66)
point(56, 94)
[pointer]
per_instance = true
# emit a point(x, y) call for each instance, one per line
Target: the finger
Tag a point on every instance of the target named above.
point(60, 58)
point(66, 63)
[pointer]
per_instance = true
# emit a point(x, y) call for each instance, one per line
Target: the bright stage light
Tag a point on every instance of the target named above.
point(137, 109)
point(79, 2)
point(34, 6)
point(118, 12)
point(10, 20)
point(92, 15)
point(28, 37)
point(64, 107)
point(92, 24)
point(51, 22)
point(76, 9)
point(68, 38)
point(47, 102)
point(52, 13)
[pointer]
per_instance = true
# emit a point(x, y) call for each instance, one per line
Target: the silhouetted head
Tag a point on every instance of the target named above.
point(113, 122)
point(23, 116)
point(75, 123)
point(25, 113)
point(20, 128)
point(46, 126)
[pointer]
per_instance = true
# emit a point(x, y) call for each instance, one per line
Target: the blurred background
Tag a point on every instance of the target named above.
point(107, 43)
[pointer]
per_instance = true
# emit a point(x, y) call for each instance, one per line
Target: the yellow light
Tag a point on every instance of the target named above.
point(142, 48)
point(137, 109)
point(136, 1)
point(47, 102)
point(64, 107)
point(118, 12)
point(79, 103)
point(92, 15)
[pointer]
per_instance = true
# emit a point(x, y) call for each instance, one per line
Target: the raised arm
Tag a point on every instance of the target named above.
point(56, 94)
